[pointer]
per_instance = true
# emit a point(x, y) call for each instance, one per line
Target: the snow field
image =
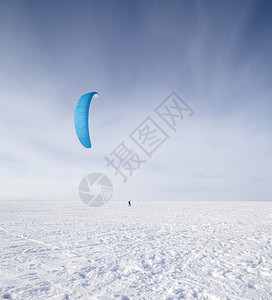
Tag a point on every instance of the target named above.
point(151, 250)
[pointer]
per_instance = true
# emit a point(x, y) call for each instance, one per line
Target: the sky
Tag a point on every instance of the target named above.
point(215, 55)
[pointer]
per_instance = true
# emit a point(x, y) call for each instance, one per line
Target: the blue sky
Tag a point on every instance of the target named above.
point(214, 54)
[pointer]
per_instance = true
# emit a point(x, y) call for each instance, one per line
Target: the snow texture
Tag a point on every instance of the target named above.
point(152, 250)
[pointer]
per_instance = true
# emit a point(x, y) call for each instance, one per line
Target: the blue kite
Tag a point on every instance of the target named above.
point(81, 119)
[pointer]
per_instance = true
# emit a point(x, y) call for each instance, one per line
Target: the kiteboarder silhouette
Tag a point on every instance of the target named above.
point(129, 203)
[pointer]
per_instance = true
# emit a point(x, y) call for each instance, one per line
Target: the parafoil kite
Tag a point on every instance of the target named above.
point(81, 119)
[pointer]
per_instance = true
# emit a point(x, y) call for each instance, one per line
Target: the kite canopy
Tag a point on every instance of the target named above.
point(81, 119)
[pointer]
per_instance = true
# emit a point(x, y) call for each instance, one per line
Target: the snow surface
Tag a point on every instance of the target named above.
point(152, 250)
